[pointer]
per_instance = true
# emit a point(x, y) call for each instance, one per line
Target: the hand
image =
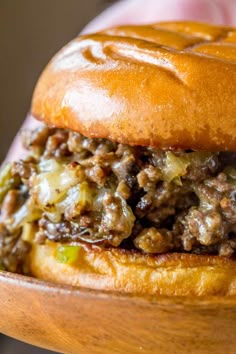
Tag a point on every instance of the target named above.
point(147, 11)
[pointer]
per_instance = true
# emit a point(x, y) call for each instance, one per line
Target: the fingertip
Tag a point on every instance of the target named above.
point(143, 11)
point(215, 11)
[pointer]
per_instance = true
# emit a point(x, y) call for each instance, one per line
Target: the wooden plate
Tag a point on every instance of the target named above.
point(76, 321)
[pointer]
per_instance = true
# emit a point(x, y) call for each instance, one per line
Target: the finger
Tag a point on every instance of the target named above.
point(144, 11)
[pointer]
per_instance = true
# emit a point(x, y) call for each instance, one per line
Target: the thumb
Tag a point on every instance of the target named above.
point(144, 11)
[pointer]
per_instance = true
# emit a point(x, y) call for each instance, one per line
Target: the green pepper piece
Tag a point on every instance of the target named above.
point(67, 254)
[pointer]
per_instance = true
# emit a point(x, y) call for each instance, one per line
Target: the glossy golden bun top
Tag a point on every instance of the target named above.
point(166, 85)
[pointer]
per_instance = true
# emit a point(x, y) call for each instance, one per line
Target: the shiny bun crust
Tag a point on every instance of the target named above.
point(131, 272)
point(165, 85)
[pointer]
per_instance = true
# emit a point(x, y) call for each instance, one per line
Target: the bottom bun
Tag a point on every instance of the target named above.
point(132, 272)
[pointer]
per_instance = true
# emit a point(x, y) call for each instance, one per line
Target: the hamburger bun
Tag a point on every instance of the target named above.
point(167, 85)
point(172, 274)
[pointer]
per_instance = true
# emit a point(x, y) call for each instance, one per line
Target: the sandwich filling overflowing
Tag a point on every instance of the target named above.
point(71, 189)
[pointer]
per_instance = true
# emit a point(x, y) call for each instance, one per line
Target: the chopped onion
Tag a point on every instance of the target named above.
point(86, 195)
point(7, 181)
point(25, 214)
point(197, 157)
point(54, 216)
point(50, 165)
point(78, 199)
point(121, 221)
point(28, 232)
point(128, 217)
point(51, 187)
point(175, 167)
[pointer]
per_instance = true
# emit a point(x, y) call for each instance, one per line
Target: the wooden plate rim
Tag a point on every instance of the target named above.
point(66, 290)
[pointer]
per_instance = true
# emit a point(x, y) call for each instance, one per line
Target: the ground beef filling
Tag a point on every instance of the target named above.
point(71, 188)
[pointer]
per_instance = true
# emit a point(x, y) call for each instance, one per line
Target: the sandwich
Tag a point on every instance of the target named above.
point(129, 184)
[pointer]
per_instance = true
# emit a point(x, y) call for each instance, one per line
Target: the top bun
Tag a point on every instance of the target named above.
point(167, 85)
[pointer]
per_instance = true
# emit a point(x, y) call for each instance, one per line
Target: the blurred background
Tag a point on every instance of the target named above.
point(31, 31)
